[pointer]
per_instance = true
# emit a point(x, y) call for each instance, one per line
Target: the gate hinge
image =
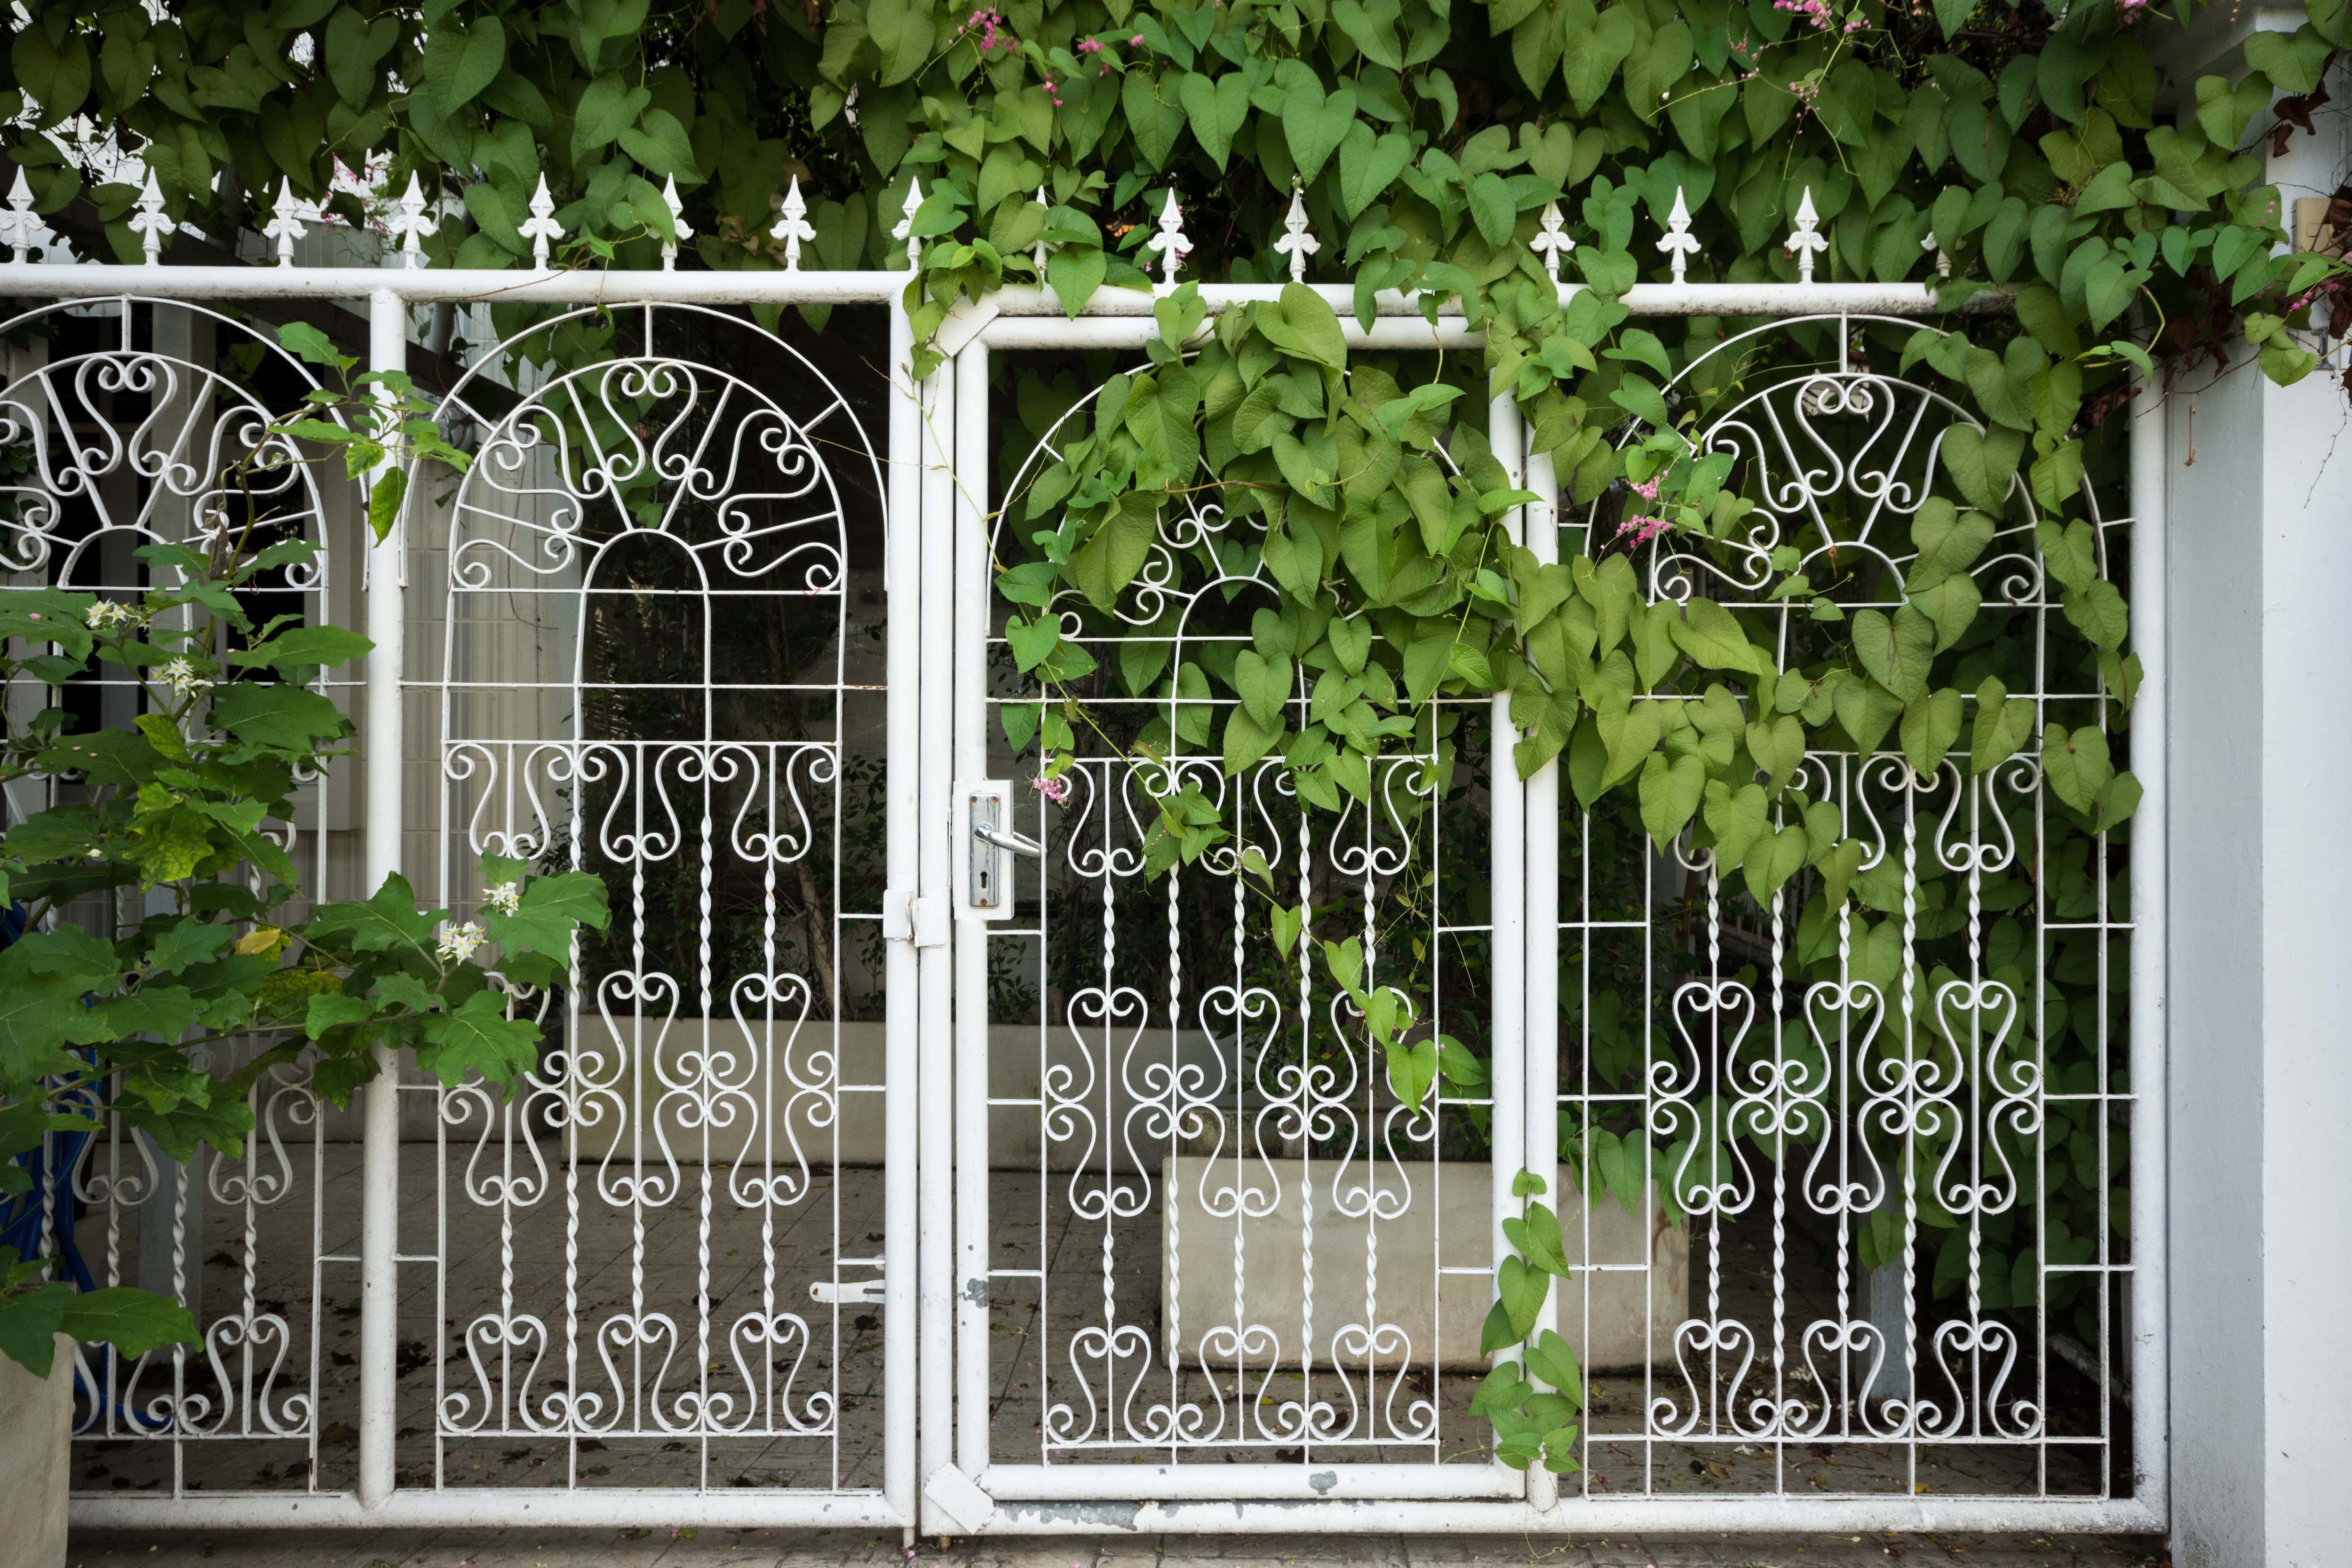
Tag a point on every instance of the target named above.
point(907, 918)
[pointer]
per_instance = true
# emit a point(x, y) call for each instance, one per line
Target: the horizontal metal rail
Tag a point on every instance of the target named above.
point(1759, 1515)
point(502, 1508)
point(1338, 1482)
point(428, 286)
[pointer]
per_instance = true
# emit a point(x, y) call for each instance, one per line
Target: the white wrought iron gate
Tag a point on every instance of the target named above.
point(861, 1115)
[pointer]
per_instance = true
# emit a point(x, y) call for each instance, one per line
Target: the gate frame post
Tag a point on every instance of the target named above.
point(935, 985)
point(385, 756)
point(1539, 970)
point(902, 588)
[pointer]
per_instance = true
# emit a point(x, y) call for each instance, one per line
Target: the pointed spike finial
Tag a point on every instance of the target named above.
point(409, 224)
point(793, 227)
point(680, 231)
point(286, 224)
point(19, 229)
point(541, 228)
point(149, 223)
point(1943, 256)
point(904, 232)
point(1296, 242)
point(1678, 243)
point(1807, 242)
point(1042, 251)
point(1170, 245)
point(1551, 242)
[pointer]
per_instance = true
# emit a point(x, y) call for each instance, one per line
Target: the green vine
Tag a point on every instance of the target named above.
point(1983, 146)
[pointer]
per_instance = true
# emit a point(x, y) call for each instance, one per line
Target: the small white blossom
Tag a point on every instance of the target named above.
point(182, 677)
point(507, 898)
point(106, 612)
point(459, 942)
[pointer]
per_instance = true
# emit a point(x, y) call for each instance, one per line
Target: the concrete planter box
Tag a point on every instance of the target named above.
point(35, 1461)
point(1640, 1286)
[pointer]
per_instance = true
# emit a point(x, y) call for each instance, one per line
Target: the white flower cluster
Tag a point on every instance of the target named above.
point(182, 677)
point(458, 942)
point(507, 898)
point(106, 614)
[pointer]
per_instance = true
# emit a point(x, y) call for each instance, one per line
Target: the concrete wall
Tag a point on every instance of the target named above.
point(2259, 498)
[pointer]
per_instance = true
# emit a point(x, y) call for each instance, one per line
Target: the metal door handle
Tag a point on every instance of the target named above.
point(1013, 842)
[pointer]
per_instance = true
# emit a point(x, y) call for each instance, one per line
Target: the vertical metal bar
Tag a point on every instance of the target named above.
point(1505, 858)
point(1540, 836)
point(971, 691)
point(935, 1082)
point(902, 584)
point(380, 1127)
point(2151, 1459)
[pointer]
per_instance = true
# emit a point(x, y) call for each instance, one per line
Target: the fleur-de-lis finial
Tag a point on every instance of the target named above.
point(1679, 243)
point(1042, 250)
point(793, 227)
point(680, 231)
point(150, 224)
point(1551, 242)
point(541, 229)
point(18, 227)
point(409, 225)
point(1170, 244)
point(285, 227)
point(1807, 242)
point(1296, 242)
point(905, 231)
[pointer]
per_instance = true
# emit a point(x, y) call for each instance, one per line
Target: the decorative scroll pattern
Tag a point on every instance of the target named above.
point(1168, 1026)
point(1904, 1090)
point(123, 426)
point(645, 673)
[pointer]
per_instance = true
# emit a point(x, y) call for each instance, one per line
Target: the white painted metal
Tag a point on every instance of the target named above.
point(384, 754)
point(1828, 1513)
point(523, 1508)
point(490, 1508)
point(935, 979)
point(936, 1282)
point(1839, 440)
point(1539, 846)
point(2150, 595)
point(968, 581)
point(129, 430)
point(903, 850)
point(1507, 833)
point(694, 514)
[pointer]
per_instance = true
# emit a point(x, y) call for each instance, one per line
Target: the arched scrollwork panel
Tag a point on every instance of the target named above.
point(1881, 1105)
point(661, 661)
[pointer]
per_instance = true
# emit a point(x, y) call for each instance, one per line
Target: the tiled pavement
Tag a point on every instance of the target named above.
point(689, 1548)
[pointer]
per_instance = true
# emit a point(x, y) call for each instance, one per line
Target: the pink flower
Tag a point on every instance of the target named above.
point(1057, 790)
point(1136, 42)
point(1647, 489)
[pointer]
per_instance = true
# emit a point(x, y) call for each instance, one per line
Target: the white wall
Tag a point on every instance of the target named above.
point(2260, 498)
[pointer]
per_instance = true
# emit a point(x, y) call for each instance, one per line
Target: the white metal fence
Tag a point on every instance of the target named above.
point(844, 1195)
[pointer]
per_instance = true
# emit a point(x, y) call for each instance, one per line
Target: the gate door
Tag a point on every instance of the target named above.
point(662, 1263)
point(1204, 1248)
point(1888, 1128)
